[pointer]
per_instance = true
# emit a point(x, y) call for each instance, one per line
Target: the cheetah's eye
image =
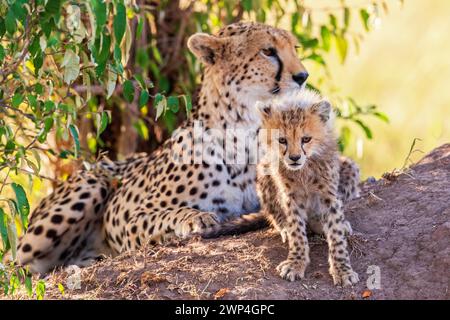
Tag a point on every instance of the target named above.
point(269, 52)
point(306, 139)
point(282, 140)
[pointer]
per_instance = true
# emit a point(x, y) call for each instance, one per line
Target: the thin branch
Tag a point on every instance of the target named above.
point(4, 180)
point(27, 115)
point(39, 175)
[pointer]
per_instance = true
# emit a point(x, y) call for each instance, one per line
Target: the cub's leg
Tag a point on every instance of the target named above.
point(335, 228)
point(293, 268)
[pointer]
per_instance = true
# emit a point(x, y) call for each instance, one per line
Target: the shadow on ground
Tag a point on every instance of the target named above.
point(402, 226)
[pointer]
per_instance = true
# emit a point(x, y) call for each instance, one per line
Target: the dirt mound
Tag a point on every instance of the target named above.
point(401, 250)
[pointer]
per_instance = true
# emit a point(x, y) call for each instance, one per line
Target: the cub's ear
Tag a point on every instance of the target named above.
point(323, 109)
point(264, 109)
point(206, 47)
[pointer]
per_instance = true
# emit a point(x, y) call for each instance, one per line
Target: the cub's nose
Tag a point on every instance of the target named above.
point(300, 77)
point(295, 158)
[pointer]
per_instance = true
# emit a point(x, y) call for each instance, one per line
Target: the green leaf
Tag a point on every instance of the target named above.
point(103, 56)
point(120, 20)
point(16, 100)
point(49, 106)
point(2, 54)
point(102, 122)
point(247, 5)
point(53, 7)
point(310, 43)
point(99, 8)
point(10, 146)
point(76, 138)
point(141, 129)
point(38, 88)
point(29, 286)
point(111, 83)
point(158, 98)
point(117, 54)
point(64, 154)
point(71, 64)
point(365, 128)
point(4, 229)
point(19, 12)
point(143, 99)
point(365, 18)
point(173, 104)
point(67, 108)
point(346, 17)
point(2, 27)
point(10, 22)
point(40, 289)
point(326, 38)
point(38, 61)
point(128, 91)
point(22, 203)
point(48, 124)
point(12, 234)
point(140, 27)
point(344, 138)
point(342, 47)
point(294, 21)
point(61, 288)
point(315, 57)
point(187, 103)
point(333, 21)
point(382, 116)
point(140, 79)
point(160, 104)
point(34, 47)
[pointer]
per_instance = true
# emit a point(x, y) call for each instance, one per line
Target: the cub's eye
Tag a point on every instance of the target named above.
point(282, 140)
point(306, 139)
point(269, 52)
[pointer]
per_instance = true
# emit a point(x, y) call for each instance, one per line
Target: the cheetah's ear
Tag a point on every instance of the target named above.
point(323, 109)
point(264, 109)
point(206, 47)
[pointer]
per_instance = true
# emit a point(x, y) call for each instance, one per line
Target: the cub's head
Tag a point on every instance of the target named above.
point(299, 126)
point(250, 60)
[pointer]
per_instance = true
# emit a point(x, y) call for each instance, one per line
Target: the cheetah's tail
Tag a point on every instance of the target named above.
point(243, 224)
point(348, 179)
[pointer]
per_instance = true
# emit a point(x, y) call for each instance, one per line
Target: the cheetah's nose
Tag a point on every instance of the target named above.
point(295, 158)
point(300, 77)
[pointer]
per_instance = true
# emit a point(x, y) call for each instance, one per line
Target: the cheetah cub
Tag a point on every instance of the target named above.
point(301, 179)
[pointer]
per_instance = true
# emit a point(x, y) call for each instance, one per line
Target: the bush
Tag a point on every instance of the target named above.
point(73, 73)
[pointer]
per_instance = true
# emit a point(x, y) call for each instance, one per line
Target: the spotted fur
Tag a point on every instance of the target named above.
point(301, 180)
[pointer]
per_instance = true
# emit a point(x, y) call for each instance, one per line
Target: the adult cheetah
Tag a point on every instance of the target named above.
point(160, 196)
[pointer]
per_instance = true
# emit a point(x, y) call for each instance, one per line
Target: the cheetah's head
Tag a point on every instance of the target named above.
point(299, 127)
point(249, 61)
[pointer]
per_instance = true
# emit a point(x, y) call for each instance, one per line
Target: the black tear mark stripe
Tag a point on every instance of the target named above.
point(280, 68)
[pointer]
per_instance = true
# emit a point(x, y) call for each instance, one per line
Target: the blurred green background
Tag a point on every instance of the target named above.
point(404, 68)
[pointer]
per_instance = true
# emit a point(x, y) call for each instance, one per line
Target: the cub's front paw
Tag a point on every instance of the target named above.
point(344, 278)
point(292, 270)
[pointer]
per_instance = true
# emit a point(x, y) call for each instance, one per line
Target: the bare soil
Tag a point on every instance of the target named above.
point(401, 224)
